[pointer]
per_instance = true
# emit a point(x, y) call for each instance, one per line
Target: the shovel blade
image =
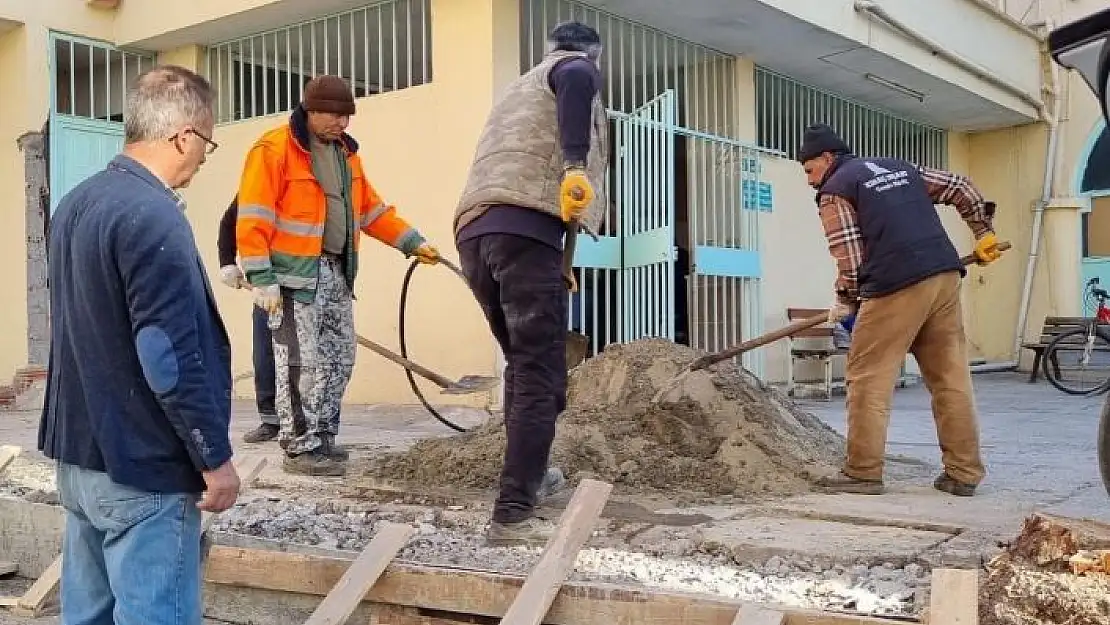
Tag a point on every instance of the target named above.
point(469, 384)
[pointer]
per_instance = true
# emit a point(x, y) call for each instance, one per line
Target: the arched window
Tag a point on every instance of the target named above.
point(1095, 184)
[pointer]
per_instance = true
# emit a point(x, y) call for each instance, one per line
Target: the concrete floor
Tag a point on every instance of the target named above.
point(1039, 446)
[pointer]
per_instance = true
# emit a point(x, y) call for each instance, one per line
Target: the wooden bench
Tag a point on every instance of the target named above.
point(818, 345)
point(1053, 327)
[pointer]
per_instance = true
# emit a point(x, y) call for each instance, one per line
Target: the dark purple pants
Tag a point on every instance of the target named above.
point(518, 283)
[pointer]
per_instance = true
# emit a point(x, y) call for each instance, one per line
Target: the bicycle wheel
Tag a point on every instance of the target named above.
point(1104, 445)
point(1069, 365)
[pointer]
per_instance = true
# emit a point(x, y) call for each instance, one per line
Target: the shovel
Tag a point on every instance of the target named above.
point(802, 324)
point(466, 385)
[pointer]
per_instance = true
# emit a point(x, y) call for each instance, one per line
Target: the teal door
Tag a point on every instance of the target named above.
point(79, 148)
point(647, 215)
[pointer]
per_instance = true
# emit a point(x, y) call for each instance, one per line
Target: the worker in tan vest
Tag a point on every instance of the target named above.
point(541, 162)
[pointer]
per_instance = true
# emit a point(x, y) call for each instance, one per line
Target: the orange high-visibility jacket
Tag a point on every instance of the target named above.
point(282, 209)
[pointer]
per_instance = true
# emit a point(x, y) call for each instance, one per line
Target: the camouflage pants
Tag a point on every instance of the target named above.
point(314, 355)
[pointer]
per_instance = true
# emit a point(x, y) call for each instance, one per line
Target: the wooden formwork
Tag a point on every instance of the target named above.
point(408, 594)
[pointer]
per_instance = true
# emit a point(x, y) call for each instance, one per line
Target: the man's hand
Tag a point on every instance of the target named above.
point(232, 276)
point(570, 281)
point(575, 194)
point(427, 254)
point(223, 489)
point(839, 311)
point(268, 298)
point(986, 249)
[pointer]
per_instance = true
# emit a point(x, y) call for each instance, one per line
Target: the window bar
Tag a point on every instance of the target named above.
point(92, 89)
point(366, 51)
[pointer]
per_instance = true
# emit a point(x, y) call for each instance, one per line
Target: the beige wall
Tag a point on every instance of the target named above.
point(416, 151)
point(25, 77)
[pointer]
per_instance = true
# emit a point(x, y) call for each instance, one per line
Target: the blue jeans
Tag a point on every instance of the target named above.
point(129, 557)
point(265, 379)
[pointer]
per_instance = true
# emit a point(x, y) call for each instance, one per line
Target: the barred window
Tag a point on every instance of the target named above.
point(784, 107)
point(381, 47)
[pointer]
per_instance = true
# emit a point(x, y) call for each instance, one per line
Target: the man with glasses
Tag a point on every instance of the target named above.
point(137, 400)
point(303, 198)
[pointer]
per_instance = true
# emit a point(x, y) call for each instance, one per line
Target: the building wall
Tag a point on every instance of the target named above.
point(416, 151)
point(24, 57)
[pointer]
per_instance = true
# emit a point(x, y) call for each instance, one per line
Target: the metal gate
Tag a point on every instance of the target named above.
point(678, 255)
point(646, 208)
point(86, 107)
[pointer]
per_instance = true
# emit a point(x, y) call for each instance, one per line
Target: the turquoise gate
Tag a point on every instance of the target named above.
point(86, 107)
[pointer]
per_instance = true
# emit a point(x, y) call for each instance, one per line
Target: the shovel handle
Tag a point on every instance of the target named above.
point(423, 372)
point(791, 329)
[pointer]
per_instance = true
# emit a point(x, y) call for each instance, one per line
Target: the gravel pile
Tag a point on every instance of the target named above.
point(453, 537)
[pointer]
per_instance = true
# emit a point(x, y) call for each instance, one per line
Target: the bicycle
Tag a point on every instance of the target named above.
point(1084, 351)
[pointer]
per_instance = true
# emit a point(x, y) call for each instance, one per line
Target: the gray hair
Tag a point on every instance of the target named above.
point(162, 100)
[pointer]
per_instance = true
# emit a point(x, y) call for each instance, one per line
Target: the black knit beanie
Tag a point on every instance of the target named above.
point(328, 94)
point(820, 138)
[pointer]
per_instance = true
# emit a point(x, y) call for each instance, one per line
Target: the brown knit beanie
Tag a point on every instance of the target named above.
point(328, 94)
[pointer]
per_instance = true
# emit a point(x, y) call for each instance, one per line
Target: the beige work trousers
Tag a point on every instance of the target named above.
point(923, 319)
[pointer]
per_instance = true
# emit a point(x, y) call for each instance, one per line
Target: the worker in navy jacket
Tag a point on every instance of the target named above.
point(137, 403)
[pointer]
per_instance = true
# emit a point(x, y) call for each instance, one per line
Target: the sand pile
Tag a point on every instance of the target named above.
point(1034, 582)
point(716, 432)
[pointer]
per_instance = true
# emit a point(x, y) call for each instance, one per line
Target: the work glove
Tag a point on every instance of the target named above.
point(427, 254)
point(232, 276)
point(840, 311)
point(268, 298)
point(575, 193)
point(986, 249)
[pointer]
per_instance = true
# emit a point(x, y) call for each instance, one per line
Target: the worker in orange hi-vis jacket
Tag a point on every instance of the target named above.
point(303, 198)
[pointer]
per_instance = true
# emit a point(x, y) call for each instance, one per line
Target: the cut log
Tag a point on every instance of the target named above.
point(1049, 542)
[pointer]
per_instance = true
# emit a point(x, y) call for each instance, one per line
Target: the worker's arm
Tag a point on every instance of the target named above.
point(225, 241)
point(162, 282)
point(838, 219)
point(259, 190)
point(381, 221)
point(945, 187)
point(575, 82)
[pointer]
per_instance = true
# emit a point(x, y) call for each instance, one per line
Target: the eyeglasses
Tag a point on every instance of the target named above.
point(210, 145)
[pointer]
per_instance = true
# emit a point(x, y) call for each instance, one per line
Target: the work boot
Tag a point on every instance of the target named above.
point(948, 484)
point(329, 448)
point(529, 531)
point(314, 463)
point(843, 483)
point(553, 482)
point(261, 434)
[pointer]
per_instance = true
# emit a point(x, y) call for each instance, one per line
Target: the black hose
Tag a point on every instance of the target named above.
point(405, 354)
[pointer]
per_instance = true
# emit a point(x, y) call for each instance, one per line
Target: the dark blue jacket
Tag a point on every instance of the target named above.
point(904, 241)
point(140, 365)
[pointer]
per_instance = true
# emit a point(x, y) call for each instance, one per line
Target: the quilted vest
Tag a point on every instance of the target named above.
point(519, 161)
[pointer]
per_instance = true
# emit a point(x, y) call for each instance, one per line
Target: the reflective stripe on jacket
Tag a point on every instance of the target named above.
point(282, 210)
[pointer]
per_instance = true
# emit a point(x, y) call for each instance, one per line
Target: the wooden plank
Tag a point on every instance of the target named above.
point(8, 454)
point(351, 589)
point(954, 598)
point(32, 601)
point(481, 593)
point(557, 561)
point(8, 568)
point(756, 615)
point(8, 602)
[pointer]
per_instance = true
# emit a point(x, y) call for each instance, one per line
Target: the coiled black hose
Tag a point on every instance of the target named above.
point(402, 308)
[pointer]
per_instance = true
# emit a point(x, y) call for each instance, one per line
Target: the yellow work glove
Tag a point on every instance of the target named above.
point(986, 249)
point(427, 254)
point(575, 194)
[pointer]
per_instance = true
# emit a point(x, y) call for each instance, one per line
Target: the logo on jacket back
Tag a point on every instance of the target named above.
point(884, 179)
